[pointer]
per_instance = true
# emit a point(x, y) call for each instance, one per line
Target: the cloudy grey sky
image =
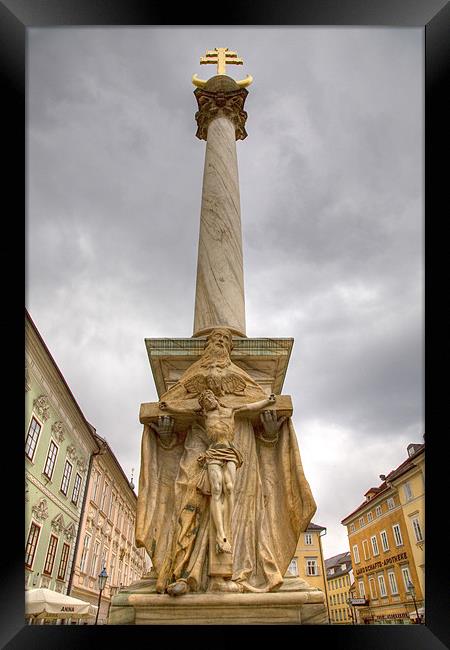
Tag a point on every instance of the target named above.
point(331, 181)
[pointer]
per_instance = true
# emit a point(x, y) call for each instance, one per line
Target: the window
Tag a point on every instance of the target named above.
point(361, 522)
point(330, 572)
point(30, 548)
point(104, 495)
point(343, 567)
point(352, 528)
point(125, 579)
point(382, 584)
point(408, 491)
point(51, 552)
point(406, 576)
point(66, 478)
point(372, 587)
point(293, 567)
point(76, 489)
point(331, 600)
point(111, 507)
point(96, 481)
point(369, 516)
point(340, 582)
point(362, 591)
point(365, 546)
point(397, 535)
point(390, 503)
point(417, 529)
point(392, 583)
point(356, 553)
point(51, 459)
point(384, 540)
point(378, 511)
point(32, 438)
point(63, 562)
point(104, 561)
point(95, 558)
point(87, 540)
point(311, 566)
point(373, 539)
point(120, 572)
point(308, 538)
point(112, 568)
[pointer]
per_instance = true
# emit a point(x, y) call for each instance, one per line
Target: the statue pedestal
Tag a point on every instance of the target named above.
point(304, 607)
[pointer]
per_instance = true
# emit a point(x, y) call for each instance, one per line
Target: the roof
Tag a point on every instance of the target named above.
point(313, 526)
point(335, 560)
point(393, 474)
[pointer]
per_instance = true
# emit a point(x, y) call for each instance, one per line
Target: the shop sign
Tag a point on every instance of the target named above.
point(380, 564)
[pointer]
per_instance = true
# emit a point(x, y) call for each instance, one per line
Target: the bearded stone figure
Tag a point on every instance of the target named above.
point(222, 494)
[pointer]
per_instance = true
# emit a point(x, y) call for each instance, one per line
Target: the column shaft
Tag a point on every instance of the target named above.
point(219, 299)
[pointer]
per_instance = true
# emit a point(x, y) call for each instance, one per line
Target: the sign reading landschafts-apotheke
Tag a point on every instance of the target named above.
point(380, 564)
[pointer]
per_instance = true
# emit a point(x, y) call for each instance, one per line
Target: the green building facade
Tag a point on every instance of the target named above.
point(58, 447)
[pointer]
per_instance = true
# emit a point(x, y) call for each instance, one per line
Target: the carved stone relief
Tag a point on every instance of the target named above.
point(58, 430)
point(42, 407)
point(58, 524)
point(40, 510)
point(70, 532)
point(71, 452)
point(218, 104)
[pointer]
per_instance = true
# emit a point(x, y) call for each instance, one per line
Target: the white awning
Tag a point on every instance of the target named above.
point(46, 603)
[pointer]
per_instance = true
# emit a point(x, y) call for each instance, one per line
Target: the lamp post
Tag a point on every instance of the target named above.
point(413, 596)
point(102, 578)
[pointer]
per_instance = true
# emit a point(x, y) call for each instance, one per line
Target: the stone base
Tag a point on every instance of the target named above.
point(136, 607)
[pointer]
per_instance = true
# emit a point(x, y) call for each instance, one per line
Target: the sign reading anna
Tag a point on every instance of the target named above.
point(380, 564)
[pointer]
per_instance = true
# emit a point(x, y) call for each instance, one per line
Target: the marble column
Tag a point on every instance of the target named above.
point(219, 299)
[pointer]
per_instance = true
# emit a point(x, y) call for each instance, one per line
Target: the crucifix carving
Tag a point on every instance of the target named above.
point(221, 56)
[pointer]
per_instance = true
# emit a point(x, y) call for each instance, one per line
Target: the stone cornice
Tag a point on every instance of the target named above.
point(221, 104)
point(51, 496)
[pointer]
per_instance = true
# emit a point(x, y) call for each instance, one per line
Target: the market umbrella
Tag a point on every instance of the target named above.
point(46, 603)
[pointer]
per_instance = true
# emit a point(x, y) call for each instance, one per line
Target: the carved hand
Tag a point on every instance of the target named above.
point(272, 398)
point(164, 426)
point(270, 423)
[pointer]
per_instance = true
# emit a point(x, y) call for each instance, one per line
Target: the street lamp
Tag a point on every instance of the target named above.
point(102, 578)
point(413, 594)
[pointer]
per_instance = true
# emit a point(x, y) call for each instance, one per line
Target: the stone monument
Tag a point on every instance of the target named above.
point(222, 495)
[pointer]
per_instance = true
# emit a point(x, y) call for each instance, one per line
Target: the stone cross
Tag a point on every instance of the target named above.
point(221, 56)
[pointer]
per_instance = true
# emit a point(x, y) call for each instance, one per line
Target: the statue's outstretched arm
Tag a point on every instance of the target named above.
point(257, 406)
point(164, 406)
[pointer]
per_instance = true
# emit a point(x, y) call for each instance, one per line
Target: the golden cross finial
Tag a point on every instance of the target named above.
point(221, 56)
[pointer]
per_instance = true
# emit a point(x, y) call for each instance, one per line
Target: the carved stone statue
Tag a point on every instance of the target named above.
point(222, 495)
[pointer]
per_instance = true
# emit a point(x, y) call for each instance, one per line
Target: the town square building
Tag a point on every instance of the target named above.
point(58, 446)
point(387, 537)
point(107, 534)
point(339, 579)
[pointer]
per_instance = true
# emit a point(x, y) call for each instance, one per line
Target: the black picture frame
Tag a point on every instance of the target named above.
point(16, 16)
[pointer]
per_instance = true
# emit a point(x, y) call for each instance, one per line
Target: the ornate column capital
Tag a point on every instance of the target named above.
point(212, 104)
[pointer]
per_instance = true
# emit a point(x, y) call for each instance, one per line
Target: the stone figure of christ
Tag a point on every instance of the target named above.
point(222, 458)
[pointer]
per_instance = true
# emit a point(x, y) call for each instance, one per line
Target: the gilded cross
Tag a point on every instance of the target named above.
point(221, 56)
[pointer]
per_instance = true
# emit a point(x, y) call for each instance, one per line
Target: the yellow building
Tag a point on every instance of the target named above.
point(386, 538)
point(107, 534)
point(307, 562)
point(339, 579)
